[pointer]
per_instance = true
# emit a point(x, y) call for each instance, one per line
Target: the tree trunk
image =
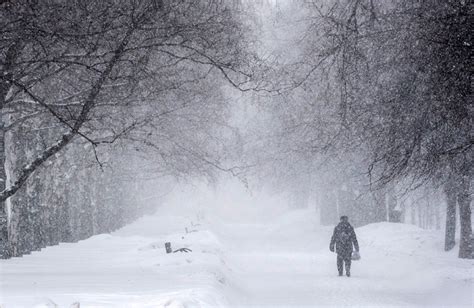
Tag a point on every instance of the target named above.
point(412, 212)
point(450, 233)
point(394, 214)
point(438, 213)
point(464, 200)
point(380, 210)
point(4, 251)
point(421, 220)
point(11, 55)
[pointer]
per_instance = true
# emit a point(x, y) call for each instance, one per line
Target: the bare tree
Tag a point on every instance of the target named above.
point(97, 71)
point(403, 76)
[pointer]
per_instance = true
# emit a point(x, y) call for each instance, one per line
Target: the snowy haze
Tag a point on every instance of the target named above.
point(238, 133)
point(229, 199)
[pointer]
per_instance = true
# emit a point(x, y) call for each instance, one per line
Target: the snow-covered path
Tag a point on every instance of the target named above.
point(296, 270)
point(282, 262)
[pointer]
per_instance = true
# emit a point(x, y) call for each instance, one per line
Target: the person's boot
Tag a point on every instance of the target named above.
point(340, 273)
point(348, 268)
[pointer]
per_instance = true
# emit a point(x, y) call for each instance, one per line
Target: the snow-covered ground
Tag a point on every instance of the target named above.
point(283, 261)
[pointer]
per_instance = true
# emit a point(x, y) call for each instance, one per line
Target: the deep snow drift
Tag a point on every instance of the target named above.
point(284, 261)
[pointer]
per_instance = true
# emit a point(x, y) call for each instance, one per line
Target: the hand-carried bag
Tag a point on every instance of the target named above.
point(355, 256)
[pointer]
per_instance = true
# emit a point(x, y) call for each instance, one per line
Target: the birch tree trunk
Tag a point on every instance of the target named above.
point(11, 55)
point(4, 251)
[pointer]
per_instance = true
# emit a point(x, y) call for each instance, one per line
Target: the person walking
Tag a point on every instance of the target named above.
point(344, 238)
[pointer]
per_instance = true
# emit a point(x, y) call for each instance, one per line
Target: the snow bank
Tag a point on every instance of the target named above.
point(415, 263)
point(402, 239)
point(128, 268)
point(283, 260)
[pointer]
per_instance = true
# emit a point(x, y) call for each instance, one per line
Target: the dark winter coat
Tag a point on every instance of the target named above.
point(344, 237)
